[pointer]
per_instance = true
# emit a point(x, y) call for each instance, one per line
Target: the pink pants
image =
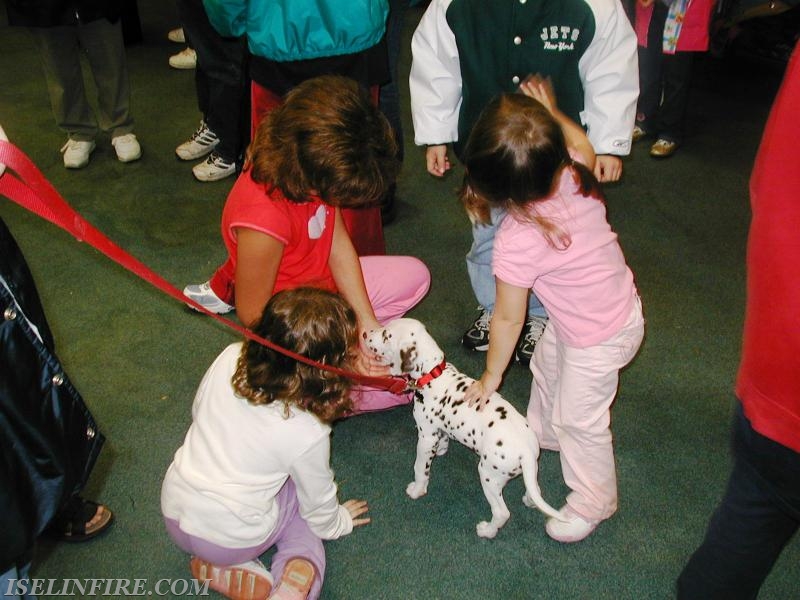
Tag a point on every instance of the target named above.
point(570, 411)
point(395, 284)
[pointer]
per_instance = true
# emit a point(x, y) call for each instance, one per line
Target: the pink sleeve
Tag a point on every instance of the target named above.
point(512, 260)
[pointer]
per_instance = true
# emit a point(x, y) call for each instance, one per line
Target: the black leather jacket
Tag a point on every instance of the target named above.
point(54, 13)
point(49, 439)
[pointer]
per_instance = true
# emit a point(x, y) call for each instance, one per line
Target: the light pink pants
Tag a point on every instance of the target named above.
point(395, 284)
point(570, 411)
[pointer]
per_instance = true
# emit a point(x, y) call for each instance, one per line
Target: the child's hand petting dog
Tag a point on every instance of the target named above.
point(480, 391)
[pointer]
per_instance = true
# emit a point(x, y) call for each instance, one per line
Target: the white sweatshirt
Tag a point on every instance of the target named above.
point(222, 483)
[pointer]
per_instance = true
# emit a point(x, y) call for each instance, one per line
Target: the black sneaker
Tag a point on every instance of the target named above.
point(531, 333)
point(477, 336)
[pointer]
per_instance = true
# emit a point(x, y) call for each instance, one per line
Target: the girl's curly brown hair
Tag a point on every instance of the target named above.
point(315, 323)
point(329, 139)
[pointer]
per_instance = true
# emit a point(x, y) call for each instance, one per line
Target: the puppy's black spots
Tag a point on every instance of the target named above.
point(503, 412)
point(461, 386)
point(490, 423)
point(499, 442)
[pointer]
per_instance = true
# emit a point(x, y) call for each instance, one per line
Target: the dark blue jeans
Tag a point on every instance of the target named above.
point(757, 516)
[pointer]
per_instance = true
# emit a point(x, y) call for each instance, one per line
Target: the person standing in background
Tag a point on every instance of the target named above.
point(62, 31)
point(760, 511)
point(669, 34)
point(221, 85)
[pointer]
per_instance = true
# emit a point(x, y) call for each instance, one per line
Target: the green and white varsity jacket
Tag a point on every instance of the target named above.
point(467, 51)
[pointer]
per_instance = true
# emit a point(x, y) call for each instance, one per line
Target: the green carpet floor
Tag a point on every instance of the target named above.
point(137, 355)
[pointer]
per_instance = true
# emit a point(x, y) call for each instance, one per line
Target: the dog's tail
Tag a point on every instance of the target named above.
point(530, 469)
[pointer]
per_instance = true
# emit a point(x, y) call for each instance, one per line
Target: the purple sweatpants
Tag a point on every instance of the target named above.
point(292, 538)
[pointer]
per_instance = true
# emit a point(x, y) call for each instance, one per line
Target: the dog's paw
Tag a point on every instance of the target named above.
point(416, 490)
point(486, 530)
point(442, 446)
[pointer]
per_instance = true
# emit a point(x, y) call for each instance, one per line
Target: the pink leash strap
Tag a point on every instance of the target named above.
point(31, 190)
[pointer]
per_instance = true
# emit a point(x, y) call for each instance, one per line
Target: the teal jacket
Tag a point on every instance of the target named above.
point(290, 30)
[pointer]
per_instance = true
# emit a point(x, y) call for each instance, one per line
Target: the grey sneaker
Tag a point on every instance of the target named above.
point(127, 147)
point(185, 59)
point(213, 168)
point(76, 153)
point(477, 336)
point(201, 143)
point(531, 333)
point(176, 35)
point(205, 297)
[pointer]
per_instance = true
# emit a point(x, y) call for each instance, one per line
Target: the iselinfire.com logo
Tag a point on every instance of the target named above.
point(82, 588)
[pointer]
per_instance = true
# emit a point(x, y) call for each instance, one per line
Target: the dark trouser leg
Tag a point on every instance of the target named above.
point(389, 98)
point(650, 70)
point(60, 52)
point(221, 85)
point(677, 80)
point(105, 51)
point(755, 519)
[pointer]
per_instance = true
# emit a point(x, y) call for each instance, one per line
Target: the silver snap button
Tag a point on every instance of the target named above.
point(10, 313)
point(58, 379)
point(515, 80)
point(517, 41)
point(90, 433)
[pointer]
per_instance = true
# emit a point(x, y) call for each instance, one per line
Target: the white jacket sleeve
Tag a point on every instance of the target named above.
point(317, 493)
point(435, 80)
point(609, 70)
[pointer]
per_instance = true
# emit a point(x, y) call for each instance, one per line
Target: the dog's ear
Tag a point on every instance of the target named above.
point(408, 359)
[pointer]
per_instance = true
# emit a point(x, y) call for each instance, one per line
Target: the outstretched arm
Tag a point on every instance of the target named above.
point(504, 331)
point(346, 270)
point(541, 89)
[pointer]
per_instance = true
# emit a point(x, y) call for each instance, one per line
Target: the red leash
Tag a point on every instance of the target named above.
point(27, 187)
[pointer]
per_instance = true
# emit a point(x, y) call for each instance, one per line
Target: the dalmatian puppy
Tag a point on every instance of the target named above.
point(497, 432)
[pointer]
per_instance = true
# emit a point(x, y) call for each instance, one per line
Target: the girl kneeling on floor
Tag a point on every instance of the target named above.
point(254, 471)
point(325, 148)
point(526, 156)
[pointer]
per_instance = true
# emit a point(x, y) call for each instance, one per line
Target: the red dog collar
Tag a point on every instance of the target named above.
point(430, 376)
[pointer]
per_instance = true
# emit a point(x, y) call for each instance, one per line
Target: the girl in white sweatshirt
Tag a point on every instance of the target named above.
point(254, 470)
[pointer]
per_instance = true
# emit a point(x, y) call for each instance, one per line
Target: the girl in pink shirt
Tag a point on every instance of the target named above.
point(326, 148)
point(526, 156)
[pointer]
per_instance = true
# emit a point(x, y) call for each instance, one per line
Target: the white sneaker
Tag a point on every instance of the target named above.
point(127, 147)
point(76, 153)
point(214, 168)
point(201, 143)
point(205, 297)
point(177, 36)
point(573, 527)
point(185, 59)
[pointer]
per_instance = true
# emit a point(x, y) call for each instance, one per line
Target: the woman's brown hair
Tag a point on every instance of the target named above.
point(315, 323)
point(326, 138)
point(515, 156)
